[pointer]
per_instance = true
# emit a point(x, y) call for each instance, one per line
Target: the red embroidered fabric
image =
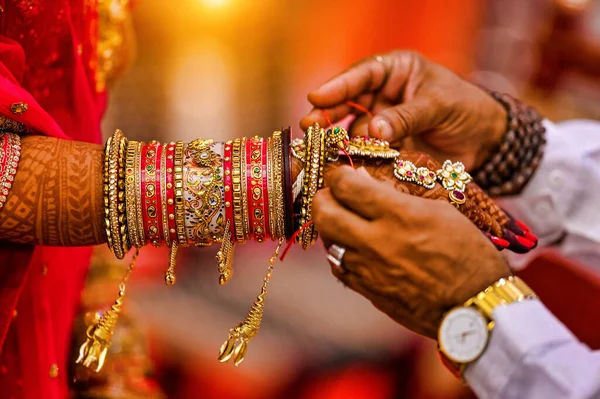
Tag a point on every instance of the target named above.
point(47, 53)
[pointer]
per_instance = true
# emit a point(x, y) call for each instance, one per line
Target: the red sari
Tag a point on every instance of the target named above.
point(47, 60)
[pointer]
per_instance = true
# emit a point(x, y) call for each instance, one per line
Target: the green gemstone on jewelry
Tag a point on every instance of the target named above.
point(454, 175)
point(336, 130)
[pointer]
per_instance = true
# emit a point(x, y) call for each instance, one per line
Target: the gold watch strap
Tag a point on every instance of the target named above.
point(503, 292)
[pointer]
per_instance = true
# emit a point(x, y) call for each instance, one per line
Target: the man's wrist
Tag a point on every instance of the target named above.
point(465, 330)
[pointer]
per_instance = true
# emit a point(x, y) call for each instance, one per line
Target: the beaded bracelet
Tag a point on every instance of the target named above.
point(9, 161)
point(508, 170)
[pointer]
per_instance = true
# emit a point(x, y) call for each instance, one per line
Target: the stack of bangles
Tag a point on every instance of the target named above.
point(204, 193)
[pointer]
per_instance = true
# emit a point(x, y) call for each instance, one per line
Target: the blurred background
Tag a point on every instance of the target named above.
point(228, 68)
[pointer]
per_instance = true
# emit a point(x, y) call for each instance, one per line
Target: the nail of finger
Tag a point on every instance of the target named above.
point(522, 225)
point(525, 242)
point(515, 244)
point(531, 237)
point(384, 129)
point(500, 243)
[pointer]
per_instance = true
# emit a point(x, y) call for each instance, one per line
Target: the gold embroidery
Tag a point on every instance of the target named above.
point(114, 41)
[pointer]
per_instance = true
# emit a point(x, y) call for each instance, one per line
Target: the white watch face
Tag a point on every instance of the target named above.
point(463, 334)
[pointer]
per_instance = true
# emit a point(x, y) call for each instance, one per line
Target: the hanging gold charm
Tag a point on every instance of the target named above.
point(170, 278)
point(236, 345)
point(92, 353)
point(225, 256)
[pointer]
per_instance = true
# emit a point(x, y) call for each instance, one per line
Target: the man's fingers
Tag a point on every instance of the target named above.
point(335, 115)
point(368, 75)
point(361, 193)
point(411, 118)
point(337, 224)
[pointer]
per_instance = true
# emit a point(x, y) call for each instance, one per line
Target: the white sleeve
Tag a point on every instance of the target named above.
point(562, 200)
point(532, 355)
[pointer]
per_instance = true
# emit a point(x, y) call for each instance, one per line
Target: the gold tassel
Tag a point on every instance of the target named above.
point(99, 336)
point(170, 273)
point(236, 345)
point(225, 256)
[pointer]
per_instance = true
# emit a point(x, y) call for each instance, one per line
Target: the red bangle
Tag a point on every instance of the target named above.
point(227, 187)
point(254, 176)
point(265, 190)
point(151, 192)
point(170, 150)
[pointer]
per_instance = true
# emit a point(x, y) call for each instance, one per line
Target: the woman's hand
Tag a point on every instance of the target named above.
point(480, 209)
point(411, 257)
point(417, 104)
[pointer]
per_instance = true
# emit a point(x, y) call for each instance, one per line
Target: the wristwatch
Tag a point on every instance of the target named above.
point(465, 330)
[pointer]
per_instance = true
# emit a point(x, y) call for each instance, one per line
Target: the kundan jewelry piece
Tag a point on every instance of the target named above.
point(408, 172)
point(361, 146)
point(454, 178)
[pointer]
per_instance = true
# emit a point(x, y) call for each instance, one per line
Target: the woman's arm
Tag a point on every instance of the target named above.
point(57, 195)
point(56, 198)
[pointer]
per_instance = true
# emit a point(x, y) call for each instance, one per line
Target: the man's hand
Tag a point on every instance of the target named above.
point(417, 104)
point(413, 258)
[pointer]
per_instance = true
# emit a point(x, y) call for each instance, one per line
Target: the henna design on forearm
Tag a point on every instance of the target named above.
point(56, 198)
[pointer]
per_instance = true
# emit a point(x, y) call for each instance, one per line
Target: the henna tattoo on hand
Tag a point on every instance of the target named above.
point(56, 198)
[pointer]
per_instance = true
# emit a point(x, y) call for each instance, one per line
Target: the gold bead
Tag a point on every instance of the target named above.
point(19, 108)
point(170, 278)
point(53, 371)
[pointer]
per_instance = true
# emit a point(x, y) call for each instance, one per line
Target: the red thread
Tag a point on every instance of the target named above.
point(348, 155)
point(293, 239)
point(326, 115)
point(359, 107)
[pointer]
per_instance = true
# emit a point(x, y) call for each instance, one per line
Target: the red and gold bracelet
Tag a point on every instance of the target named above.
point(150, 190)
point(227, 185)
point(179, 196)
point(9, 161)
point(163, 196)
point(170, 191)
point(265, 189)
point(256, 194)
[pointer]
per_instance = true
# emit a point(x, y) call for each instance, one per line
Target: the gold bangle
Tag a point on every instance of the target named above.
point(270, 190)
point(108, 190)
point(313, 180)
point(236, 185)
point(179, 198)
point(246, 217)
point(138, 194)
point(278, 198)
point(121, 207)
point(112, 190)
point(131, 207)
point(163, 195)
